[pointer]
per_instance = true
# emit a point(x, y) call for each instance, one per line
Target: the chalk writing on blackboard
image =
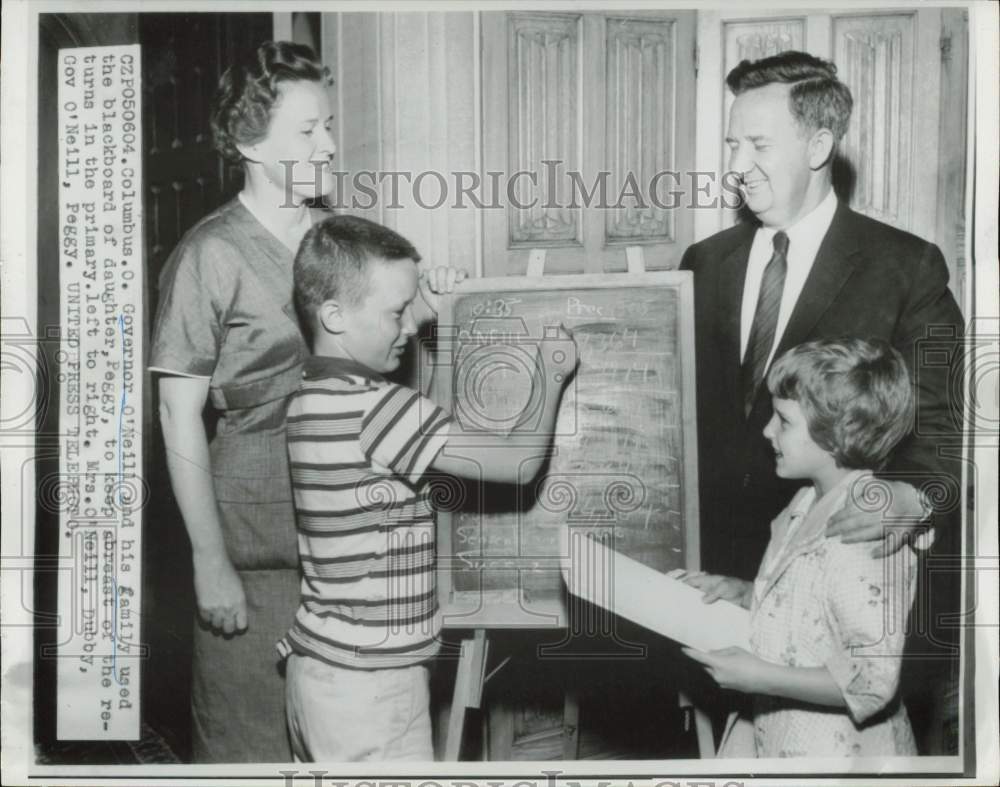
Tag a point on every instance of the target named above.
point(623, 448)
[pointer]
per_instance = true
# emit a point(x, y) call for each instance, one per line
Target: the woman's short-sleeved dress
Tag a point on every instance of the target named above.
point(226, 312)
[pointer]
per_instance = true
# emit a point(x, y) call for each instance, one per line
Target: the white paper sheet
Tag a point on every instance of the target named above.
point(660, 603)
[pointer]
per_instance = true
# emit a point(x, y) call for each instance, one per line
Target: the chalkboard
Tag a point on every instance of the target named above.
point(625, 453)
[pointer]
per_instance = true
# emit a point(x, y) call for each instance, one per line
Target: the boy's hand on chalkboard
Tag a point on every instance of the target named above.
point(436, 281)
point(559, 353)
point(716, 586)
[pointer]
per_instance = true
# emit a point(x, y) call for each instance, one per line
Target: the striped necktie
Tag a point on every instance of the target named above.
point(765, 322)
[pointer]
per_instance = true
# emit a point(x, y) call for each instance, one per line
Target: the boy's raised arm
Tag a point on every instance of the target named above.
point(517, 456)
point(434, 282)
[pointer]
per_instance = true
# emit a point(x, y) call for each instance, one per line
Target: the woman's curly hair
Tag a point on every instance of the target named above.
point(248, 91)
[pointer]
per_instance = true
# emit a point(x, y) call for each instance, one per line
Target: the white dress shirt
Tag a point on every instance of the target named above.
point(804, 238)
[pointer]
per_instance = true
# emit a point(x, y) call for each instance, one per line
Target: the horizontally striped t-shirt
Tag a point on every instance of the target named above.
point(359, 447)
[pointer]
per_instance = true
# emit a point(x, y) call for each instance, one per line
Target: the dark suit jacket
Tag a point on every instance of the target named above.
point(868, 280)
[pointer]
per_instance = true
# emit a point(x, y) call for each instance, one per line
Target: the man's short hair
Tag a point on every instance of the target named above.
point(334, 261)
point(817, 98)
point(856, 396)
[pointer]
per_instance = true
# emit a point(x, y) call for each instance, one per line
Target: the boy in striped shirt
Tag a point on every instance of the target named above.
point(360, 450)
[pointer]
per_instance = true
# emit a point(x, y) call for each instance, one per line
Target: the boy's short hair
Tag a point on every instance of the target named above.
point(334, 258)
point(855, 394)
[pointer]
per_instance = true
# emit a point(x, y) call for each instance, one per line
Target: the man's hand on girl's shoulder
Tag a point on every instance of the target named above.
point(872, 507)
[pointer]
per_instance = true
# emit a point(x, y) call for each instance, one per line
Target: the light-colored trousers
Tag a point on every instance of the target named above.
point(337, 714)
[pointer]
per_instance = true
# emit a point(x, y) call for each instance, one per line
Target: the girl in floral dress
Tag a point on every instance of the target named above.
point(827, 618)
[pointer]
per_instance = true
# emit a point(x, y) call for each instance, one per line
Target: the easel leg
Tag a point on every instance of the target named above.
point(468, 690)
point(571, 726)
point(702, 727)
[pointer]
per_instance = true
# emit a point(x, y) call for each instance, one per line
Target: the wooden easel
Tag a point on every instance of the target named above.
point(468, 689)
point(471, 675)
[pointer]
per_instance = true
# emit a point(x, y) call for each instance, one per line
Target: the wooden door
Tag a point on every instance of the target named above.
point(183, 56)
point(581, 111)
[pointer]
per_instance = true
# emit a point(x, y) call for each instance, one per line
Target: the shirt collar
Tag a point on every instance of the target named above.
point(318, 367)
point(818, 512)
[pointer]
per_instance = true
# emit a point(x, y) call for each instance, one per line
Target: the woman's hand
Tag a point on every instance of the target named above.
point(716, 586)
point(733, 668)
point(437, 281)
point(222, 604)
point(217, 586)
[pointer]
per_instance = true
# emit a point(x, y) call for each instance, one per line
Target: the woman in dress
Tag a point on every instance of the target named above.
point(226, 333)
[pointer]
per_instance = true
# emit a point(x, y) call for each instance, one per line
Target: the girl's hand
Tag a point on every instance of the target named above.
point(716, 586)
point(436, 281)
point(733, 668)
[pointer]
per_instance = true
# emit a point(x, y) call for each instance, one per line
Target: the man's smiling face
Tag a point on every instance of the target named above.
point(770, 151)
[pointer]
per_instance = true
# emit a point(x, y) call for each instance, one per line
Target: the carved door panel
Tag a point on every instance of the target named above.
point(580, 114)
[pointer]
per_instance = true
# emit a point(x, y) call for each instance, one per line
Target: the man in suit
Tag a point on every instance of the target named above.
point(809, 267)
